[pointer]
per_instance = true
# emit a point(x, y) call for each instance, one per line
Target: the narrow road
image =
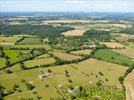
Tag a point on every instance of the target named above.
point(129, 85)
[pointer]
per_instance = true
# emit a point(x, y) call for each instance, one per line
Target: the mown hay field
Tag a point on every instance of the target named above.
point(82, 52)
point(127, 52)
point(65, 56)
point(113, 45)
point(76, 32)
point(128, 82)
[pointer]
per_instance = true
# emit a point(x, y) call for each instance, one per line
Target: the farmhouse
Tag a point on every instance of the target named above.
point(89, 46)
point(44, 75)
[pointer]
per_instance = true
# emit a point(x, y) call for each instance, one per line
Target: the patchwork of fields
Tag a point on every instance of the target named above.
point(66, 60)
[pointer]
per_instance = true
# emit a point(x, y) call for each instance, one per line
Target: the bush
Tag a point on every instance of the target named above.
point(101, 73)
point(29, 86)
point(8, 71)
point(49, 71)
point(98, 83)
point(15, 86)
point(46, 85)
point(70, 81)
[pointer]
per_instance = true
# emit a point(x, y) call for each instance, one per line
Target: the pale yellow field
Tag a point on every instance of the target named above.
point(36, 62)
point(127, 52)
point(76, 32)
point(64, 21)
point(2, 62)
point(129, 84)
point(43, 56)
point(9, 40)
point(82, 52)
point(65, 56)
point(113, 45)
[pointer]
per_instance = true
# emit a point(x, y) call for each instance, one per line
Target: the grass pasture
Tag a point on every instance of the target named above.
point(86, 72)
point(12, 54)
point(29, 41)
point(114, 57)
point(46, 46)
point(38, 62)
point(65, 56)
point(16, 55)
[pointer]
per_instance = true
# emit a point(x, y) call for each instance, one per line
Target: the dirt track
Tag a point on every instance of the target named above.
point(129, 85)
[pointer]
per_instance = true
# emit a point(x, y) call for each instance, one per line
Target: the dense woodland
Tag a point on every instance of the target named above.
point(100, 35)
point(40, 30)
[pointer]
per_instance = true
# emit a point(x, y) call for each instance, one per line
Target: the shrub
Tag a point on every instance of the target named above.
point(8, 71)
point(29, 86)
point(98, 83)
point(46, 85)
point(49, 71)
point(70, 81)
point(101, 73)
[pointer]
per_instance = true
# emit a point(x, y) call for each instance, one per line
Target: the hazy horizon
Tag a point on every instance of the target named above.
point(67, 6)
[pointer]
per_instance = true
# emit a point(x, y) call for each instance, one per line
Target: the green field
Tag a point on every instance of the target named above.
point(30, 41)
point(114, 57)
point(43, 61)
point(45, 46)
point(17, 55)
point(12, 55)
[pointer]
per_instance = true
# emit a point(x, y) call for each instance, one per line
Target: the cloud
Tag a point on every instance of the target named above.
point(81, 2)
point(67, 5)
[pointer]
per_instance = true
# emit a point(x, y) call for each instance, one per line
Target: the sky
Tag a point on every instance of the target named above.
point(67, 5)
